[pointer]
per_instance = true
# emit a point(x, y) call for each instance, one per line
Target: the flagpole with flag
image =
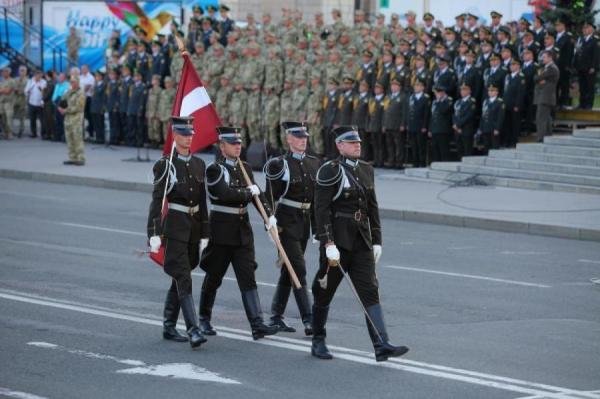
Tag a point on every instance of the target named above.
point(191, 99)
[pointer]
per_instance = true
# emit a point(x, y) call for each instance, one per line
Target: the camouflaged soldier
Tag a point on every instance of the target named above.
point(72, 106)
point(289, 66)
point(299, 98)
point(152, 120)
point(273, 71)
point(165, 104)
point(215, 64)
point(286, 106)
point(271, 116)
point(314, 105)
point(303, 68)
point(198, 58)
point(238, 107)
point(7, 97)
point(73, 45)
point(222, 99)
point(232, 66)
point(334, 68)
point(20, 109)
point(176, 67)
point(253, 113)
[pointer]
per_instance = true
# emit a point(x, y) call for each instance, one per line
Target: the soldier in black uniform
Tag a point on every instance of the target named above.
point(587, 63)
point(345, 103)
point(290, 191)
point(384, 72)
point(417, 123)
point(348, 227)
point(464, 121)
point(374, 126)
point(360, 117)
point(158, 62)
point(368, 69)
point(514, 101)
point(184, 230)
point(440, 125)
point(421, 73)
point(98, 107)
point(402, 73)
point(136, 110)
point(564, 43)
point(494, 75)
point(124, 88)
point(112, 105)
point(471, 76)
point(444, 76)
point(529, 70)
point(394, 126)
point(330, 106)
point(231, 238)
point(492, 117)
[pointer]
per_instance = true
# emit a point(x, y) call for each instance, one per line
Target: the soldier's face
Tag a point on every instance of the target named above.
point(465, 92)
point(492, 92)
point(183, 142)
point(349, 149)
point(230, 151)
point(297, 144)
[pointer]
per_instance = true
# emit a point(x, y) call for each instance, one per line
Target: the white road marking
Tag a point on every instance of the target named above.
point(523, 253)
point(434, 370)
point(459, 248)
point(471, 276)
point(36, 196)
point(597, 262)
point(19, 394)
point(173, 370)
point(99, 228)
point(202, 274)
point(180, 370)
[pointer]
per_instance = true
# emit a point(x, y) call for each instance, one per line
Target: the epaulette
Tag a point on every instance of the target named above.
point(310, 156)
point(472, 99)
point(450, 99)
point(536, 43)
point(451, 70)
point(521, 74)
point(426, 95)
point(569, 34)
point(499, 100)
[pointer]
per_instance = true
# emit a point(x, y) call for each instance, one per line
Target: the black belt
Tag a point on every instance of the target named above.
point(357, 216)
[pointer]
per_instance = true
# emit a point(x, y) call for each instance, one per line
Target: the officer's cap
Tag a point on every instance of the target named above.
point(541, 19)
point(527, 32)
point(388, 52)
point(395, 16)
point(485, 42)
point(296, 129)
point(428, 16)
point(419, 57)
point(506, 48)
point(365, 83)
point(450, 30)
point(231, 135)
point(504, 29)
point(211, 8)
point(470, 15)
point(439, 87)
point(551, 34)
point(460, 16)
point(465, 86)
point(495, 14)
point(420, 81)
point(492, 87)
point(494, 56)
point(445, 58)
point(561, 21)
point(485, 29)
point(367, 53)
point(410, 13)
point(156, 76)
point(396, 81)
point(380, 16)
point(346, 134)
point(379, 84)
point(155, 43)
point(333, 80)
point(525, 21)
point(348, 79)
point(198, 8)
point(411, 30)
point(183, 125)
point(471, 53)
point(403, 41)
point(160, 35)
point(589, 23)
point(515, 61)
point(439, 45)
point(223, 7)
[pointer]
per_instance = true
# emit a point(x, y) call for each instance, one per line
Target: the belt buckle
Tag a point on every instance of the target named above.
point(357, 215)
point(191, 211)
point(241, 211)
point(305, 205)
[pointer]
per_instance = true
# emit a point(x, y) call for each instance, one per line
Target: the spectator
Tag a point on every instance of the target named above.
point(34, 93)
point(545, 95)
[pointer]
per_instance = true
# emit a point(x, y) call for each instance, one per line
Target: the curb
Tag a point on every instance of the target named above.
point(481, 223)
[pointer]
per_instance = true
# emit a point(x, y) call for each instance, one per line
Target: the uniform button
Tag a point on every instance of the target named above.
point(191, 189)
point(187, 164)
point(190, 176)
point(241, 218)
point(191, 202)
point(305, 175)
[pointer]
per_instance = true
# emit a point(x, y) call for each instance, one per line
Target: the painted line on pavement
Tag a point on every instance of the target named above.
point(19, 394)
point(471, 276)
point(597, 262)
point(202, 274)
point(434, 370)
point(99, 228)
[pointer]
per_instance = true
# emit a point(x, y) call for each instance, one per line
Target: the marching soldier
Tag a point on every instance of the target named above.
point(165, 102)
point(377, 105)
point(464, 121)
point(112, 106)
point(514, 101)
point(72, 106)
point(440, 125)
point(7, 94)
point(184, 229)
point(290, 190)
point(231, 239)
point(98, 107)
point(417, 123)
point(152, 110)
point(394, 126)
point(348, 227)
point(492, 117)
point(587, 63)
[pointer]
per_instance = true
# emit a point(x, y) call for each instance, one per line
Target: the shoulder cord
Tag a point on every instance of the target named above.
point(218, 179)
point(172, 176)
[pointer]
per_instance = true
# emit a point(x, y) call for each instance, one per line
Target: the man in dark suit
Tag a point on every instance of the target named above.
point(349, 230)
point(494, 75)
point(564, 43)
point(329, 116)
point(514, 100)
point(440, 125)
point(587, 63)
point(464, 121)
point(393, 126)
point(374, 127)
point(492, 117)
point(545, 95)
point(417, 123)
point(529, 70)
point(360, 118)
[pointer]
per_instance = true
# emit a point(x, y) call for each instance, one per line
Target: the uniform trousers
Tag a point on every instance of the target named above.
point(180, 259)
point(294, 249)
point(215, 262)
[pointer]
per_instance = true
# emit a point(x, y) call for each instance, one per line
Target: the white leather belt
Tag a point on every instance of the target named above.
point(229, 209)
point(185, 209)
point(295, 204)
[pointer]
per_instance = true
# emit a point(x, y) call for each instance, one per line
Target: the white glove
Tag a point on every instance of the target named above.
point(154, 244)
point(332, 253)
point(254, 189)
point(272, 222)
point(203, 244)
point(377, 252)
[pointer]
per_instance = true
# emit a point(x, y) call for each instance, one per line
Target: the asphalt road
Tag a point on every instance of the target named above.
point(486, 314)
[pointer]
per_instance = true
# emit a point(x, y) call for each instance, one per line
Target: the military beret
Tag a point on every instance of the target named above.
point(428, 16)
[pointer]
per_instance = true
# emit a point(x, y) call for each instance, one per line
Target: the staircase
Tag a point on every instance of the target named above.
point(561, 163)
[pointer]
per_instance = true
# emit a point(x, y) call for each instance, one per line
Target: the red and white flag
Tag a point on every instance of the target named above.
point(191, 100)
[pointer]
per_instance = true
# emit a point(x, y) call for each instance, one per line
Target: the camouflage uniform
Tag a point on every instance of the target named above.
point(165, 104)
point(253, 114)
point(74, 123)
point(299, 98)
point(176, 67)
point(152, 114)
point(73, 44)
point(286, 111)
point(222, 104)
point(271, 117)
point(314, 105)
point(198, 62)
point(274, 74)
point(7, 105)
point(20, 110)
point(237, 108)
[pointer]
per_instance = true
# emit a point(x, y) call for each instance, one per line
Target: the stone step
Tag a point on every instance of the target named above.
point(572, 141)
point(544, 167)
point(545, 157)
point(530, 175)
point(557, 149)
point(592, 133)
point(455, 177)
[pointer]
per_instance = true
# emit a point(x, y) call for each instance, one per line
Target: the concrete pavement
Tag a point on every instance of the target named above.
point(557, 214)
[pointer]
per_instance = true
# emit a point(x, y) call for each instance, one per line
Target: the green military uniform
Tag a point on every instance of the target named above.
point(253, 113)
point(73, 44)
point(237, 109)
point(7, 105)
point(314, 105)
point(286, 111)
point(165, 104)
point(222, 103)
point(20, 110)
point(75, 101)
point(176, 67)
point(152, 109)
point(271, 118)
point(198, 62)
point(299, 98)
point(274, 74)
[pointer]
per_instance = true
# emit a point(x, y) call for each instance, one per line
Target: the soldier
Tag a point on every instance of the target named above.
point(367, 69)
point(226, 24)
point(503, 40)
point(274, 71)
point(360, 118)
point(444, 76)
point(329, 116)
point(464, 122)
point(231, 238)
point(417, 123)
point(546, 81)
point(496, 21)
point(313, 113)
point(271, 118)
point(165, 103)
point(299, 99)
point(136, 111)
point(184, 229)
point(253, 113)
point(471, 76)
point(528, 43)
point(152, 121)
point(7, 97)
point(238, 106)
point(72, 106)
point(112, 106)
point(587, 63)
point(124, 89)
point(529, 70)
point(538, 28)
point(286, 108)
point(290, 190)
point(483, 60)
point(374, 126)
point(394, 122)
point(176, 67)
point(157, 62)
point(494, 75)
point(346, 103)
point(421, 73)
point(564, 43)
point(20, 99)
point(348, 227)
point(222, 99)
point(385, 70)
point(98, 108)
point(514, 101)
point(73, 45)
point(492, 116)
point(428, 27)
point(401, 73)
point(440, 125)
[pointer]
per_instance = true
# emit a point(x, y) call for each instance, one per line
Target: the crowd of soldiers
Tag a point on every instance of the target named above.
point(402, 85)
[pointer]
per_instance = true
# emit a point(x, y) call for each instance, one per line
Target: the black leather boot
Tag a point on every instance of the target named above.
point(383, 348)
point(171, 314)
point(319, 318)
point(207, 300)
point(189, 315)
point(303, 301)
point(254, 313)
point(280, 299)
